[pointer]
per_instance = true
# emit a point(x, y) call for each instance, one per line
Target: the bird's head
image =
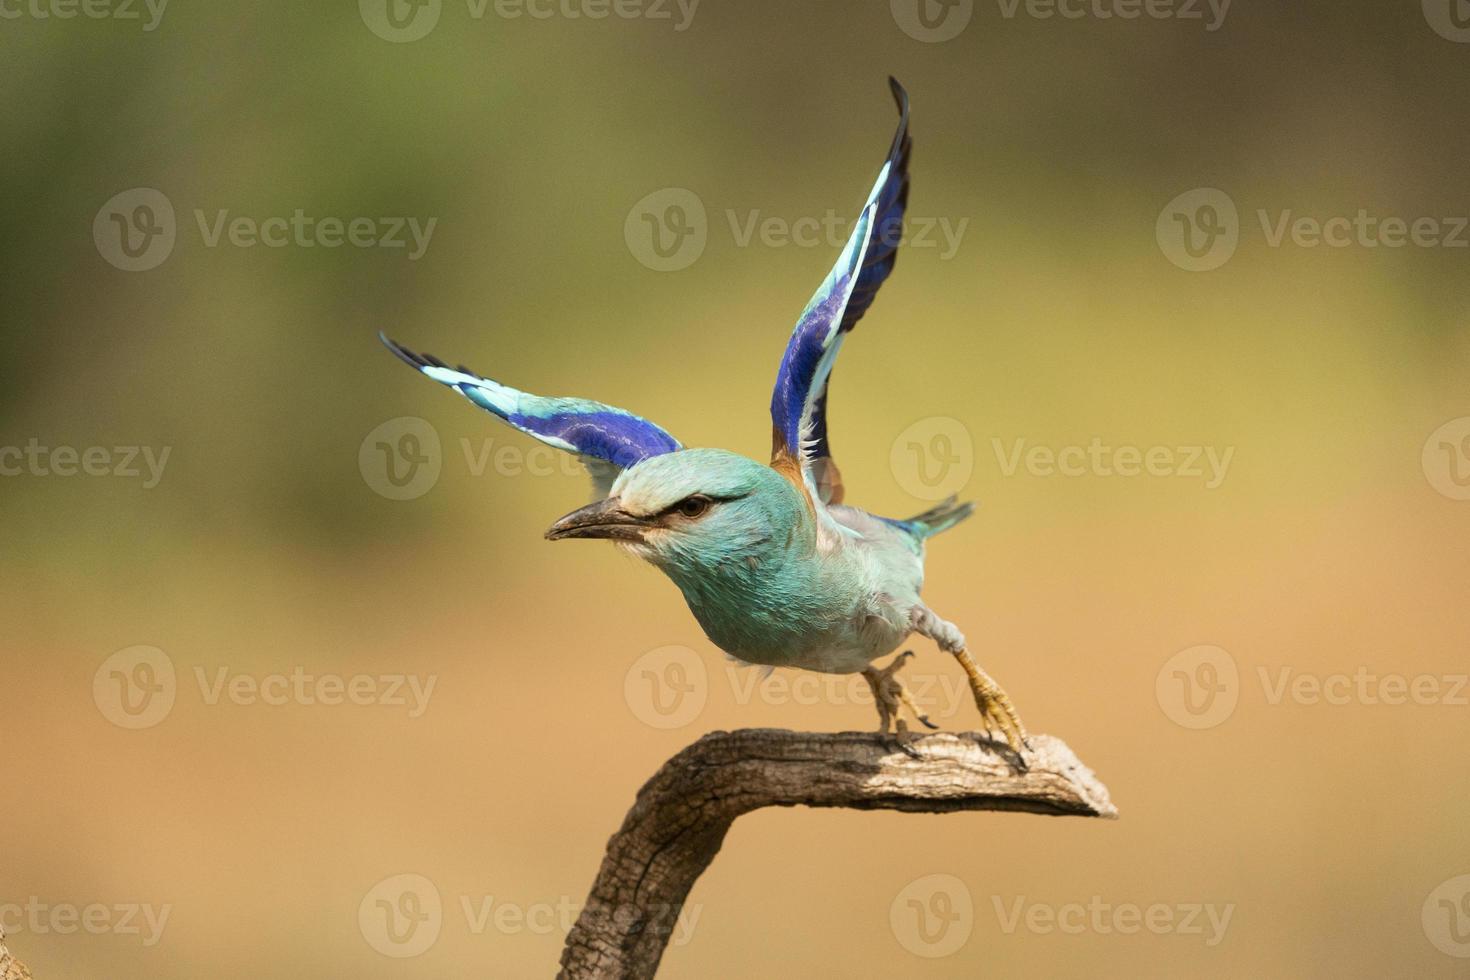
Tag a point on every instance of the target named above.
point(694, 511)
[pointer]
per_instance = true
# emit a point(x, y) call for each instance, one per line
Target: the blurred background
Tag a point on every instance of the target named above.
point(292, 685)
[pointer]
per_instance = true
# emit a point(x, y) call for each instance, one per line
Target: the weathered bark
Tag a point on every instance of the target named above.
point(679, 820)
point(10, 967)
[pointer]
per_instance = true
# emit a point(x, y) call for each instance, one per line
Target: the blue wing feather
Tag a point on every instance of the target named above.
point(799, 401)
point(892, 198)
point(813, 345)
point(590, 429)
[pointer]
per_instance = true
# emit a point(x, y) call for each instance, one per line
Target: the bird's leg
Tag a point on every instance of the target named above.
point(995, 707)
point(891, 697)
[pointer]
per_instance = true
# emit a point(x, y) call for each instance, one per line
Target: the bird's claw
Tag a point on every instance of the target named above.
point(997, 714)
point(903, 740)
point(891, 698)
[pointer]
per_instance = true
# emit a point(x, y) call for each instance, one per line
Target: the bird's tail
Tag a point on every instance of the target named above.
point(941, 517)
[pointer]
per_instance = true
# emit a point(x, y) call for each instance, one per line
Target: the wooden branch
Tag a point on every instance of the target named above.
point(10, 967)
point(679, 820)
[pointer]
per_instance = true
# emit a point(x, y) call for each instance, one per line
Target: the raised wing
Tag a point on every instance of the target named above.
point(608, 439)
point(799, 402)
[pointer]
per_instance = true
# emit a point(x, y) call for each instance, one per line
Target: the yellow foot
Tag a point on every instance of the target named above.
point(996, 710)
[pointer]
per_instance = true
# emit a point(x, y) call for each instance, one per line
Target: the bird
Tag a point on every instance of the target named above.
point(776, 568)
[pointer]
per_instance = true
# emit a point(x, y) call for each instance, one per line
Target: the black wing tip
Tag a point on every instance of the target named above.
point(420, 361)
point(900, 95)
point(899, 151)
point(405, 355)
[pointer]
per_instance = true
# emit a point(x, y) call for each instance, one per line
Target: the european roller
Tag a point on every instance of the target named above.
point(776, 568)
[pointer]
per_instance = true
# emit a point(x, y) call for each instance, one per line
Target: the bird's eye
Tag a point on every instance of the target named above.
point(692, 507)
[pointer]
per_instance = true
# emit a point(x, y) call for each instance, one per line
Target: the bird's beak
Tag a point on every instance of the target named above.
point(604, 519)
